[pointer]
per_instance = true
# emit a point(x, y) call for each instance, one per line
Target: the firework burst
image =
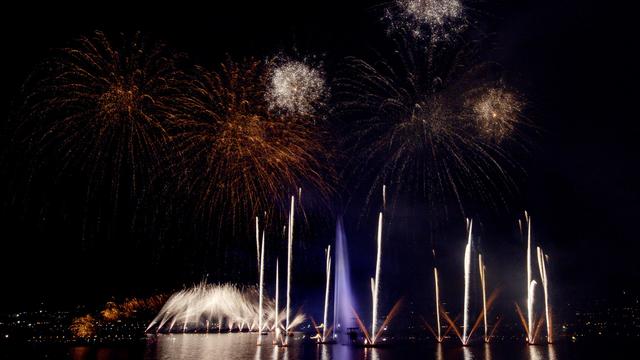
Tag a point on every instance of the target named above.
point(237, 155)
point(296, 88)
point(496, 111)
point(438, 20)
point(103, 106)
point(409, 127)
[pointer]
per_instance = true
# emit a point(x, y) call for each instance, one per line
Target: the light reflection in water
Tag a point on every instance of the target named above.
point(552, 352)
point(439, 352)
point(487, 352)
point(535, 352)
point(466, 353)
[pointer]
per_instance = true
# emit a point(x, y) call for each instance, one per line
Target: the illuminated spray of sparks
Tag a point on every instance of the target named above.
point(437, 286)
point(481, 267)
point(545, 287)
point(289, 260)
point(530, 303)
point(437, 19)
point(261, 288)
point(530, 283)
point(375, 283)
point(296, 88)
point(496, 112)
point(325, 329)
point(467, 279)
point(431, 12)
point(277, 336)
point(189, 309)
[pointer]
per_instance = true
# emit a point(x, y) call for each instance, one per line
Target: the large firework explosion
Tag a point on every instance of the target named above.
point(102, 106)
point(426, 127)
point(239, 156)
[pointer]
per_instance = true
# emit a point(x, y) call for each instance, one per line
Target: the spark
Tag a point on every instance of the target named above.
point(289, 265)
point(436, 19)
point(261, 288)
point(83, 326)
point(545, 287)
point(484, 296)
point(437, 290)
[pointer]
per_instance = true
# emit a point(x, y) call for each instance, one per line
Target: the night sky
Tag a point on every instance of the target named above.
point(572, 59)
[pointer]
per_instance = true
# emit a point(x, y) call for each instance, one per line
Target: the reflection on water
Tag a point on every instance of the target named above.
point(466, 353)
point(241, 346)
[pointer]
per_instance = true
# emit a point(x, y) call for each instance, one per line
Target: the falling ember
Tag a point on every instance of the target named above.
point(437, 286)
point(261, 289)
point(484, 297)
point(545, 287)
point(375, 283)
point(325, 329)
point(289, 260)
point(467, 278)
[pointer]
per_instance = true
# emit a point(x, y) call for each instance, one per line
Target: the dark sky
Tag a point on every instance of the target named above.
point(575, 61)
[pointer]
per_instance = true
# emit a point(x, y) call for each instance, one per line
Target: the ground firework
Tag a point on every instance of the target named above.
point(103, 106)
point(240, 157)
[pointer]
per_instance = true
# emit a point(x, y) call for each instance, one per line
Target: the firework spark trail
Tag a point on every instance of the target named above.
point(258, 242)
point(261, 291)
point(530, 282)
point(289, 265)
point(437, 290)
point(375, 287)
point(545, 287)
point(325, 330)
point(530, 303)
point(296, 88)
point(523, 320)
point(481, 268)
point(467, 279)
point(276, 323)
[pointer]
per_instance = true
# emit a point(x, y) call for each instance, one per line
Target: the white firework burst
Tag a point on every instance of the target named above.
point(496, 112)
point(437, 18)
point(296, 88)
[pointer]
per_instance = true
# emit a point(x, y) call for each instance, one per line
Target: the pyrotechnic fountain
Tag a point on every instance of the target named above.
point(545, 287)
point(325, 321)
point(530, 283)
point(481, 268)
point(343, 301)
point(437, 291)
point(375, 283)
point(287, 327)
point(190, 309)
point(277, 339)
point(261, 286)
point(467, 279)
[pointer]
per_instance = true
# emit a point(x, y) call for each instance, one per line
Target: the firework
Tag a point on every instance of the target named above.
point(236, 154)
point(437, 19)
point(437, 293)
point(296, 88)
point(289, 266)
point(496, 112)
point(83, 326)
point(375, 282)
point(467, 280)
point(545, 287)
point(227, 305)
point(104, 106)
point(260, 290)
point(325, 329)
point(407, 126)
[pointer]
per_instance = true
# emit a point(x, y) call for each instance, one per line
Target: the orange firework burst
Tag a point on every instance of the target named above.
point(83, 326)
point(103, 106)
point(237, 155)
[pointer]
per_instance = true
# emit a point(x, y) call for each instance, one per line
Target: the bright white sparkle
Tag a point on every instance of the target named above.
point(296, 88)
point(432, 12)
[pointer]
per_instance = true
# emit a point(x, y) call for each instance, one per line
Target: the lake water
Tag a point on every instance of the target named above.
point(236, 346)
